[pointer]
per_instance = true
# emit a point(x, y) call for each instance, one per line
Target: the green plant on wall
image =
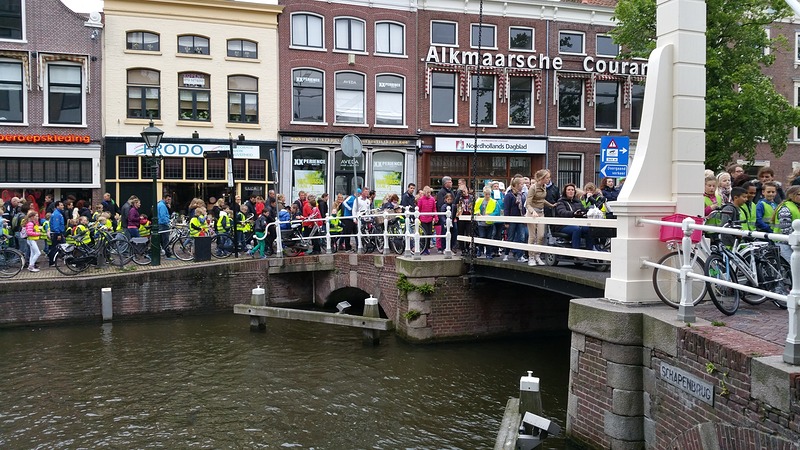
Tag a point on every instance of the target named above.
point(406, 286)
point(711, 369)
point(412, 315)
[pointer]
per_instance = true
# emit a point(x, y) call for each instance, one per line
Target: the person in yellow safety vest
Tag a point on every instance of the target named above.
point(224, 221)
point(749, 208)
point(765, 209)
point(78, 231)
point(144, 226)
point(98, 211)
point(733, 212)
point(46, 234)
point(786, 213)
point(198, 226)
point(713, 202)
point(242, 224)
point(486, 206)
point(335, 225)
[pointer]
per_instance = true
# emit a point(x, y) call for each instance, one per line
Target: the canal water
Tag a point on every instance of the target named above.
point(208, 382)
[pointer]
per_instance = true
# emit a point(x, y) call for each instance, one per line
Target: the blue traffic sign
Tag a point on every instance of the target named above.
point(614, 156)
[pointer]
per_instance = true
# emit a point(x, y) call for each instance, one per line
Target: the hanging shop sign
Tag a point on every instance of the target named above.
point(46, 138)
point(193, 150)
point(497, 145)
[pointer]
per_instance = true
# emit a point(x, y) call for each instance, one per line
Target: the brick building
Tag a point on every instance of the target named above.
point(50, 101)
point(206, 72)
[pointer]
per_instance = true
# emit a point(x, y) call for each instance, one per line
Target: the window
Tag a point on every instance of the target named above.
point(239, 169)
point(194, 95)
point(797, 48)
point(242, 99)
point(308, 95)
point(520, 38)
point(570, 42)
point(389, 100)
point(606, 107)
point(443, 98)
point(142, 40)
point(520, 112)
point(443, 33)
point(307, 31)
point(195, 168)
point(256, 169)
point(570, 103)
point(797, 102)
point(196, 45)
point(173, 168)
point(349, 98)
point(486, 34)
point(349, 35)
point(128, 167)
point(144, 94)
point(390, 38)
point(570, 168)
point(637, 103)
point(64, 94)
point(216, 169)
point(11, 92)
point(26, 170)
point(606, 46)
point(11, 23)
point(240, 48)
point(483, 97)
point(597, 176)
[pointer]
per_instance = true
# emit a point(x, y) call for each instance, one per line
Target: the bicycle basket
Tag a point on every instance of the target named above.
point(676, 233)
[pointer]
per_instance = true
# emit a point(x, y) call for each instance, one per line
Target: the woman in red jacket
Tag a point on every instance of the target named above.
point(426, 204)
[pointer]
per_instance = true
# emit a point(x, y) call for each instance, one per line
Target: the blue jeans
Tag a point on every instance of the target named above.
point(515, 234)
point(577, 232)
point(486, 232)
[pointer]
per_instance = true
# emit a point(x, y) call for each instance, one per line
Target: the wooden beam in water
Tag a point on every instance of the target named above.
point(369, 323)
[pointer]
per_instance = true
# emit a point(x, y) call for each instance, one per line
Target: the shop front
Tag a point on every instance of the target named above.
point(497, 159)
point(33, 166)
point(186, 172)
point(317, 165)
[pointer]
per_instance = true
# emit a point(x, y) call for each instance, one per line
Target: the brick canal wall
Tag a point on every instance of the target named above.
point(453, 311)
point(640, 379)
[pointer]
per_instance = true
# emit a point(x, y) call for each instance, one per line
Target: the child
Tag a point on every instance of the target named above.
point(144, 226)
point(285, 216)
point(46, 233)
point(713, 200)
point(733, 211)
point(198, 226)
point(749, 208)
point(724, 187)
point(766, 207)
point(30, 224)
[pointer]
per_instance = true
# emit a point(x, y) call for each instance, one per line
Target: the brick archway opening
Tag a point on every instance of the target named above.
point(354, 296)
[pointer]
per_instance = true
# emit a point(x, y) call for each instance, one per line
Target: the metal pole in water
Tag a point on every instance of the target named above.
point(258, 298)
point(530, 398)
point(107, 304)
point(371, 310)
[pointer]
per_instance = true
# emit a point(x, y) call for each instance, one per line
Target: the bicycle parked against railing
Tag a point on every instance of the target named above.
point(11, 260)
point(371, 233)
point(72, 259)
point(759, 263)
point(667, 284)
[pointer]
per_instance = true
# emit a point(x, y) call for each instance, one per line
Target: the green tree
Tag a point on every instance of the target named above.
point(742, 106)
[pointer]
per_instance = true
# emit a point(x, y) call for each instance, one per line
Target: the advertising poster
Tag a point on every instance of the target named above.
point(311, 181)
point(387, 182)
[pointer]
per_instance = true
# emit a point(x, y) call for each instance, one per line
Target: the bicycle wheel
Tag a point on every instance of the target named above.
point(726, 299)
point(786, 280)
point(118, 250)
point(221, 246)
point(11, 262)
point(668, 284)
point(70, 263)
point(397, 242)
point(183, 249)
point(140, 254)
point(377, 237)
point(747, 297)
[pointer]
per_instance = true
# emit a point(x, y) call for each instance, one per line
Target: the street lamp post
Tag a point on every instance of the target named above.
point(152, 139)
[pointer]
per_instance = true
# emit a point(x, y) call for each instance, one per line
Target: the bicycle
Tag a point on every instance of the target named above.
point(372, 234)
point(667, 284)
point(763, 270)
point(140, 251)
point(72, 259)
point(11, 260)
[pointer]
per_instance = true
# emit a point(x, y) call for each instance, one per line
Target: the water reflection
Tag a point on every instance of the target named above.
point(208, 382)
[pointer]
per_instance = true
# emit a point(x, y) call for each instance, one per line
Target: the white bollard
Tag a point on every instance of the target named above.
point(258, 298)
point(530, 398)
point(107, 304)
point(371, 310)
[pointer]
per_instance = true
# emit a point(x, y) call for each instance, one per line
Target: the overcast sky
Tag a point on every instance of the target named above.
point(84, 6)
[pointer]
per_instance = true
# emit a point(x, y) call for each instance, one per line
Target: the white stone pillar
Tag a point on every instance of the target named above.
point(666, 174)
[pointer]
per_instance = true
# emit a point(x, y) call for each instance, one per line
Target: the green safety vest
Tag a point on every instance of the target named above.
point(223, 224)
point(335, 226)
point(747, 216)
point(770, 218)
point(491, 206)
point(713, 218)
point(792, 207)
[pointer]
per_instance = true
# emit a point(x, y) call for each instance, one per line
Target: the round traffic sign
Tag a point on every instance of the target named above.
point(351, 146)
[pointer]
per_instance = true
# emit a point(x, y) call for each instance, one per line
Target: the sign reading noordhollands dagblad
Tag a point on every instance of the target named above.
point(687, 383)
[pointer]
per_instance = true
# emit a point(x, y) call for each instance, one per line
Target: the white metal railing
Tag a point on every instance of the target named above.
point(791, 354)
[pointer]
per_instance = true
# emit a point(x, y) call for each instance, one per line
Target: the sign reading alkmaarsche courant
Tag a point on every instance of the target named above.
point(688, 383)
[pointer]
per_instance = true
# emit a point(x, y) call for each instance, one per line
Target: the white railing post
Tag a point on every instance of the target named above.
point(385, 232)
point(328, 233)
point(407, 236)
point(357, 221)
point(791, 352)
point(448, 252)
point(686, 308)
point(417, 225)
point(278, 239)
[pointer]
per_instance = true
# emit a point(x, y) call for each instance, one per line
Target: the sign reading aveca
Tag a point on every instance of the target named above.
point(192, 150)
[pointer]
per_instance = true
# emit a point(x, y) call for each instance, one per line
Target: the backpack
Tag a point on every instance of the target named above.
point(16, 222)
point(23, 232)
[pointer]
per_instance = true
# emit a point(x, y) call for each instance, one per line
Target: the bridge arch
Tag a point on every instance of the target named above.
point(353, 295)
point(712, 435)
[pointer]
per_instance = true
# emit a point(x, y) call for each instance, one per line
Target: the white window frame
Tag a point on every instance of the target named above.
point(796, 48)
point(533, 39)
point(767, 49)
point(390, 23)
point(455, 103)
point(508, 102)
point(324, 95)
point(597, 47)
point(583, 46)
point(24, 25)
point(405, 101)
point(484, 25)
point(45, 116)
point(569, 156)
point(439, 44)
point(336, 48)
point(363, 103)
point(618, 101)
point(582, 102)
point(636, 130)
point(796, 134)
point(306, 47)
point(24, 121)
point(494, 103)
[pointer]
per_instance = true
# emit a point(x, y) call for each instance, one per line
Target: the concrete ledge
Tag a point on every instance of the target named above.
point(507, 436)
point(312, 263)
point(369, 323)
point(622, 354)
point(606, 321)
point(431, 266)
point(771, 381)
